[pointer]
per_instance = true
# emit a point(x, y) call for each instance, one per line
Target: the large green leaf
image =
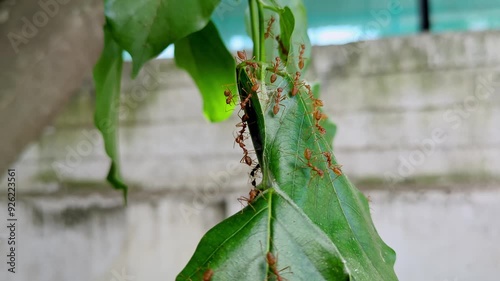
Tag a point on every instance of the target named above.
point(236, 249)
point(107, 77)
point(211, 66)
point(145, 28)
point(319, 226)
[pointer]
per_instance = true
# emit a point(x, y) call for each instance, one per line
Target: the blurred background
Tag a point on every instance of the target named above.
point(414, 87)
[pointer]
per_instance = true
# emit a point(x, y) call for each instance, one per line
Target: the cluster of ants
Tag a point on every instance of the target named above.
point(242, 134)
point(276, 69)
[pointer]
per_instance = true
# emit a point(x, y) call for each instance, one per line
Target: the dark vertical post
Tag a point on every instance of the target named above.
point(425, 23)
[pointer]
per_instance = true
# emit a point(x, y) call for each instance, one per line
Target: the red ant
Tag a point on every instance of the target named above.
point(242, 55)
point(272, 261)
point(207, 276)
point(255, 86)
point(276, 65)
point(243, 126)
point(321, 129)
point(296, 84)
point(251, 197)
point(316, 102)
point(269, 26)
point(246, 158)
point(318, 116)
point(335, 167)
point(308, 156)
point(277, 101)
point(229, 96)
point(244, 103)
point(301, 55)
point(240, 140)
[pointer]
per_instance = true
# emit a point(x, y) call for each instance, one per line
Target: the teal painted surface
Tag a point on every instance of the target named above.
point(338, 22)
point(449, 15)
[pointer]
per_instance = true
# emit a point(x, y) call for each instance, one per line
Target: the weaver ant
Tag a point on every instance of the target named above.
point(318, 116)
point(251, 197)
point(240, 140)
point(272, 261)
point(269, 26)
point(244, 103)
point(315, 101)
point(207, 276)
point(276, 65)
point(308, 156)
point(334, 167)
point(277, 100)
point(296, 84)
point(229, 96)
point(242, 56)
point(301, 55)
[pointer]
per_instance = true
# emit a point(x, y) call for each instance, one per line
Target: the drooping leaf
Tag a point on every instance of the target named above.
point(107, 77)
point(302, 199)
point(203, 55)
point(145, 28)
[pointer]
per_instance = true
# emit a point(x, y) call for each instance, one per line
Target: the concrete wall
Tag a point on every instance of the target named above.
point(418, 131)
point(47, 48)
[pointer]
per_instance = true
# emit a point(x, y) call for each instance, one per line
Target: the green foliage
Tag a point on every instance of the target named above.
point(145, 28)
point(204, 56)
point(236, 249)
point(318, 225)
point(107, 77)
point(306, 213)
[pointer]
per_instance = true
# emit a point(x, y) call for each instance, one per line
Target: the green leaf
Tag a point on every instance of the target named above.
point(107, 77)
point(318, 225)
point(145, 28)
point(211, 66)
point(299, 35)
point(292, 30)
point(287, 25)
point(236, 249)
point(330, 201)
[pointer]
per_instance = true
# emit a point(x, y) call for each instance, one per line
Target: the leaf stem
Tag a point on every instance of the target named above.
point(255, 28)
point(262, 39)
